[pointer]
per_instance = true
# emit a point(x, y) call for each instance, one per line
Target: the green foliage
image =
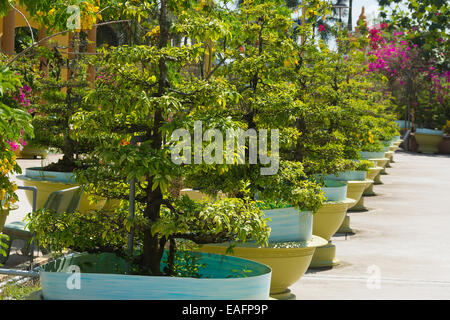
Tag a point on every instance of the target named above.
point(201, 61)
point(13, 124)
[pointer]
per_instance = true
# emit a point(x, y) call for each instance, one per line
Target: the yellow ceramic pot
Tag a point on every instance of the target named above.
point(428, 143)
point(381, 162)
point(359, 206)
point(199, 196)
point(90, 203)
point(111, 205)
point(45, 188)
point(288, 261)
point(373, 172)
point(356, 189)
point(393, 148)
point(389, 155)
point(326, 222)
point(330, 216)
point(345, 227)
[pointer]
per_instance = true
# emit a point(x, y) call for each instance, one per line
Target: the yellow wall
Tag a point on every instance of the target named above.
point(62, 40)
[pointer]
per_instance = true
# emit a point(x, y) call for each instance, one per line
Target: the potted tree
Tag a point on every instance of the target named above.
point(146, 94)
point(56, 85)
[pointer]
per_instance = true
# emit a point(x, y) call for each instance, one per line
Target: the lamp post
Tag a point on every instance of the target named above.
point(340, 7)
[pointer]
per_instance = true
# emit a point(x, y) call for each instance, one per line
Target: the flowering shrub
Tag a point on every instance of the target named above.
point(414, 81)
point(14, 123)
point(7, 188)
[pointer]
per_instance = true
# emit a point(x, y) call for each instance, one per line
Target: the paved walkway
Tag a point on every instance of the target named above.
point(404, 238)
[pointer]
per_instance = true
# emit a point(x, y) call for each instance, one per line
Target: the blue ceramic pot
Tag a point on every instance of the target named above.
point(103, 277)
point(373, 155)
point(348, 176)
point(335, 190)
point(38, 173)
point(430, 131)
point(289, 225)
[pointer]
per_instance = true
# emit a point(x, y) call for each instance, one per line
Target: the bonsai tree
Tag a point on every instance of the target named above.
point(256, 61)
point(56, 81)
point(146, 91)
point(60, 100)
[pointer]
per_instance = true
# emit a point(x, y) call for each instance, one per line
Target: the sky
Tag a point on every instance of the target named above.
point(371, 9)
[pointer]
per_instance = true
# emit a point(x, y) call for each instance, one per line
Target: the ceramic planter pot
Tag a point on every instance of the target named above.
point(288, 261)
point(393, 148)
point(335, 190)
point(373, 174)
point(444, 146)
point(428, 140)
point(326, 222)
point(289, 224)
point(356, 184)
point(389, 155)
point(355, 192)
point(103, 278)
point(199, 196)
point(345, 227)
point(348, 176)
point(48, 182)
point(372, 155)
point(111, 205)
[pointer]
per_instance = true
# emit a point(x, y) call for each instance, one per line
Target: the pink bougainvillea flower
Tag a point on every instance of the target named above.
point(23, 142)
point(322, 28)
point(14, 146)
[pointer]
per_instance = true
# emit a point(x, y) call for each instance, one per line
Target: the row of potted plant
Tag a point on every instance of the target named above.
point(245, 69)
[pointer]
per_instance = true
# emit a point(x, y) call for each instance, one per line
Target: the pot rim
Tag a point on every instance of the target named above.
point(264, 269)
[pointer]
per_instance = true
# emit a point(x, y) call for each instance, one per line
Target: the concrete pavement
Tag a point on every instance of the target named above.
point(401, 247)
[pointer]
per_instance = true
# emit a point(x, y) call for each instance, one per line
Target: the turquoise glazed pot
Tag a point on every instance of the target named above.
point(335, 191)
point(403, 124)
point(373, 155)
point(289, 225)
point(348, 176)
point(103, 277)
point(38, 173)
point(430, 131)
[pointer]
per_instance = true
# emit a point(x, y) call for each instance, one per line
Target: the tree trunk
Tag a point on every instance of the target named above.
point(350, 15)
point(153, 247)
